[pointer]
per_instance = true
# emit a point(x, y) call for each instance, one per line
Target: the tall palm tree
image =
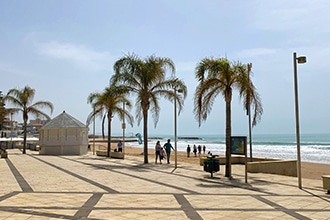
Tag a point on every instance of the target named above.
point(146, 78)
point(106, 105)
point(251, 99)
point(22, 99)
point(219, 76)
point(249, 95)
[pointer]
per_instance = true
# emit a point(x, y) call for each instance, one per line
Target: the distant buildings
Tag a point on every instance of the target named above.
point(34, 126)
point(11, 128)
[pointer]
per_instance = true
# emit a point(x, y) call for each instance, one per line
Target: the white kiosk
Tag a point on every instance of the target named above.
point(64, 135)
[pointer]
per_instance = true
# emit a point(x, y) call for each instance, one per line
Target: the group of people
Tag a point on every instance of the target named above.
point(195, 149)
point(163, 152)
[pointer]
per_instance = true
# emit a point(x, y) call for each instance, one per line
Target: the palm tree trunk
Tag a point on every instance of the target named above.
point(145, 136)
point(228, 135)
point(24, 139)
point(103, 128)
point(109, 136)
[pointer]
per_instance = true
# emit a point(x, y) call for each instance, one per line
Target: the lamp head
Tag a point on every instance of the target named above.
point(302, 59)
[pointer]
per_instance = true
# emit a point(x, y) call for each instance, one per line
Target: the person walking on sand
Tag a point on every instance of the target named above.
point(158, 152)
point(168, 147)
point(195, 150)
point(204, 149)
point(188, 151)
point(162, 154)
point(120, 146)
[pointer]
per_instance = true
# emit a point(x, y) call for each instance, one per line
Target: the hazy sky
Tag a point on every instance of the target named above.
point(65, 50)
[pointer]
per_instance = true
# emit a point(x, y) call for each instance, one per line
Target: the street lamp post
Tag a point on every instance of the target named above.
point(123, 127)
point(301, 59)
point(11, 130)
point(175, 129)
point(94, 132)
point(175, 132)
point(249, 66)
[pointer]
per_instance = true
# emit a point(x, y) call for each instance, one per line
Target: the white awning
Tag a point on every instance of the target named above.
point(19, 139)
point(32, 139)
point(4, 139)
point(16, 139)
point(11, 139)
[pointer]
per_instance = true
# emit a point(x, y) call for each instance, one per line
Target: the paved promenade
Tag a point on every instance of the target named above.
point(33, 186)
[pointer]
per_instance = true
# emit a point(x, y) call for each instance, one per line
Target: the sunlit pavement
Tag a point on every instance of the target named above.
point(90, 187)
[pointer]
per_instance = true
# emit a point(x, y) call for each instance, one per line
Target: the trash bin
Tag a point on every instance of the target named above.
point(211, 165)
point(31, 146)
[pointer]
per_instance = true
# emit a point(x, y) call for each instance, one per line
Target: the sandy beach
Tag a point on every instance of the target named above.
point(308, 170)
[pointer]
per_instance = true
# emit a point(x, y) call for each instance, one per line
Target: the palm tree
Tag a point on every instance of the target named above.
point(22, 99)
point(106, 105)
point(251, 99)
point(249, 95)
point(219, 76)
point(146, 78)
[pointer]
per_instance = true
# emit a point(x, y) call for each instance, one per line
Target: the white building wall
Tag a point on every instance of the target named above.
point(64, 141)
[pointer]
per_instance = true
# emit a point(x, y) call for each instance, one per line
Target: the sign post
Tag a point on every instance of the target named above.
point(238, 146)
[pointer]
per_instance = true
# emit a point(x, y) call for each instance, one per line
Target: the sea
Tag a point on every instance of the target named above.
point(313, 147)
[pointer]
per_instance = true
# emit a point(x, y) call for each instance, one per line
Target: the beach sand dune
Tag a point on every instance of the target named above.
point(308, 170)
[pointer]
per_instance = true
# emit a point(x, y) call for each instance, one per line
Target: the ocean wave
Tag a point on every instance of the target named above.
point(325, 147)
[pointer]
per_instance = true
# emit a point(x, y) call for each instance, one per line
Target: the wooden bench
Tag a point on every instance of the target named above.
point(101, 153)
point(118, 155)
point(326, 182)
